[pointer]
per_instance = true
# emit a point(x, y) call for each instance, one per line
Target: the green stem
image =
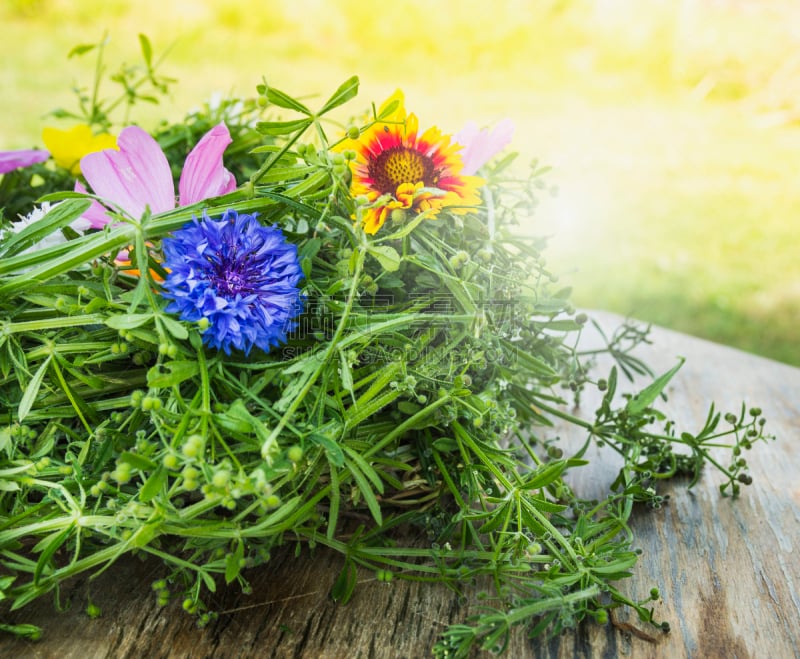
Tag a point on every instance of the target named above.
point(332, 346)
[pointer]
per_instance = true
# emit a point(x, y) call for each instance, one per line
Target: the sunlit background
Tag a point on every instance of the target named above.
point(672, 127)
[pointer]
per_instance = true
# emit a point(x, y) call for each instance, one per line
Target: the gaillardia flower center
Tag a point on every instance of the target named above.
point(399, 165)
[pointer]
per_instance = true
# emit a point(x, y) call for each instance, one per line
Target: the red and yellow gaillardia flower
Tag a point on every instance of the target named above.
point(396, 168)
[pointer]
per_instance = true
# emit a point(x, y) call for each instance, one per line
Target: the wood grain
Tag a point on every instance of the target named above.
point(728, 570)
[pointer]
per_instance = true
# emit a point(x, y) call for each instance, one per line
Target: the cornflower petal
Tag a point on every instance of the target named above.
point(203, 174)
point(11, 160)
point(135, 177)
point(239, 275)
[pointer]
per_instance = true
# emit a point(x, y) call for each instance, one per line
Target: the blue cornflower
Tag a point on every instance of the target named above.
point(239, 275)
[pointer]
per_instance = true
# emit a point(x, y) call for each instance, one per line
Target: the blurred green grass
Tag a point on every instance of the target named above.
point(673, 127)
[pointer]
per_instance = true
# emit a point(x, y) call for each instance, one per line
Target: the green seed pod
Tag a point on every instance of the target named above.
point(221, 478)
point(171, 461)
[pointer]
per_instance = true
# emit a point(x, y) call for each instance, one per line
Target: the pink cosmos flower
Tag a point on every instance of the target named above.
point(11, 160)
point(138, 176)
point(480, 146)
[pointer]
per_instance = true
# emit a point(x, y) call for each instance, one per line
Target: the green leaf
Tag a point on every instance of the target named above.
point(152, 486)
point(389, 109)
point(646, 396)
point(81, 49)
point(208, 580)
point(499, 517)
point(137, 461)
point(345, 373)
point(530, 362)
point(306, 264)
point(347, 90)
point(32, 389)
point(345, 583)
point(177, 372)
point(304, 209)
point(277, 97)
point(310, 248)
point(127, 321)
point(8, 486)
point(237, 411)
point(282, 127)
point(5, 440)
point(233, 563)
point(147, 50)
point(174, 327)
point(86, 413)
point(408, 227)
point(333, 450)
point(547, 473)
point(5, 584)
point(144, 535)
point(386, 256)
point(48, 547)
point(545, 506)
point(445, 445)
point(366, 468)
point(366, 491)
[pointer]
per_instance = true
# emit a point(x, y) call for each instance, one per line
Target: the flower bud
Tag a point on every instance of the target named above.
point(399, 216)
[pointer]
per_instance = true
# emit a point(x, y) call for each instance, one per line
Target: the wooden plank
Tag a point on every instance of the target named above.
point(728, 570)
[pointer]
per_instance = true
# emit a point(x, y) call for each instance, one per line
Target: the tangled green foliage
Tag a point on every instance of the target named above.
point(425, 360)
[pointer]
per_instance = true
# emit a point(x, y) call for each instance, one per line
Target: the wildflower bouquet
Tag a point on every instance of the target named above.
point(335, 333)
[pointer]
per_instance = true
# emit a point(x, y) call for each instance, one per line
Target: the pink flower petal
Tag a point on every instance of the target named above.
point(203, 174)
point(96, 215)
point(136, 176)
point(480, 146)
point(11, 160)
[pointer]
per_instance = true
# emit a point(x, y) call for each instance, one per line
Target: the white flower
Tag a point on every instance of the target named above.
point(55, 238)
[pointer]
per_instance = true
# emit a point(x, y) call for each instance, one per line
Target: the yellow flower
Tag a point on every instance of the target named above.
point(396, 168)
point(68, 146)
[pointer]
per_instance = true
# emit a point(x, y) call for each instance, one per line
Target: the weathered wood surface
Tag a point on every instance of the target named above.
point(728, 571)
